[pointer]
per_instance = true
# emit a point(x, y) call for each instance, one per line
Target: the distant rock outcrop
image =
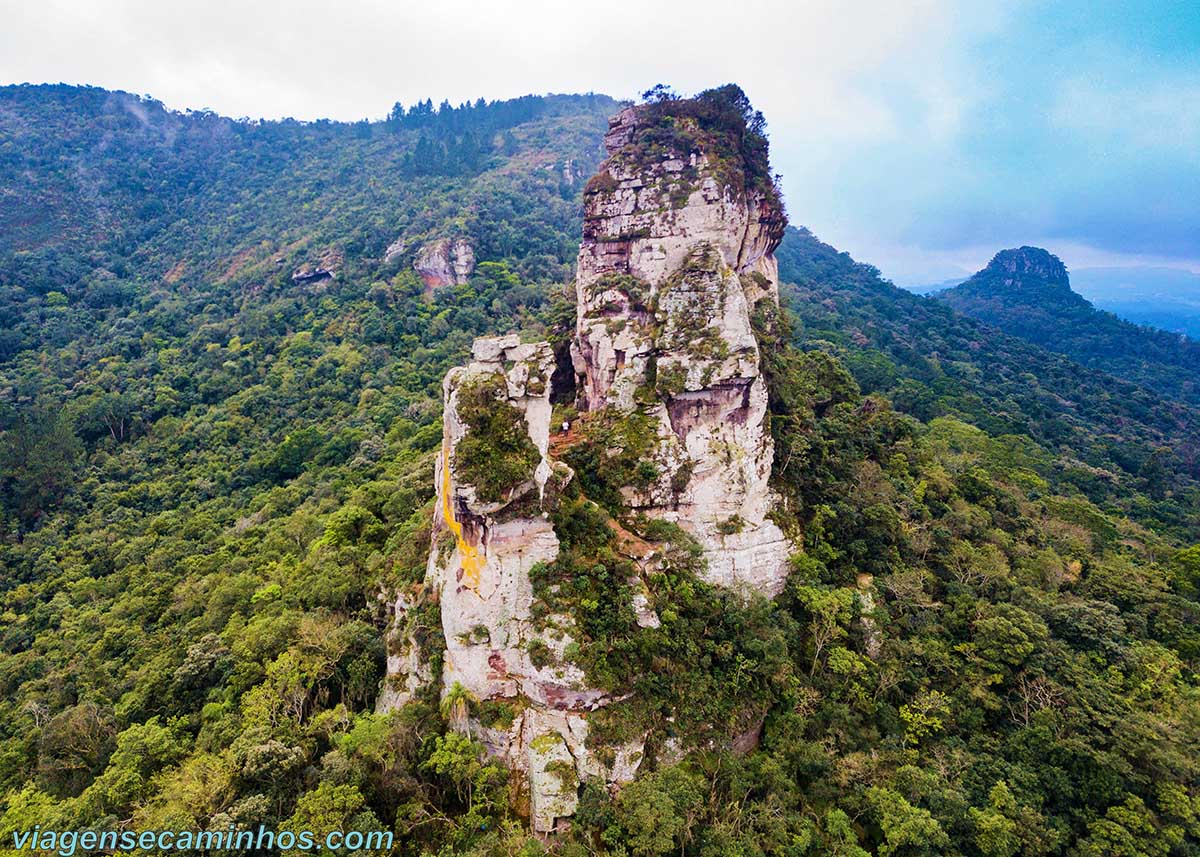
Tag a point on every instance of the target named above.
point(1027, 265)
point(443, 262)
point(324, 267)
point(1026, 292)
point(1025, 274)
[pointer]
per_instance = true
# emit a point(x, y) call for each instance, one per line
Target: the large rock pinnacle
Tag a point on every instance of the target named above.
point(676, 254)
point(492, 476)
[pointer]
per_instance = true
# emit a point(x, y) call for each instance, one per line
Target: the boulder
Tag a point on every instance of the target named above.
point(443, 262)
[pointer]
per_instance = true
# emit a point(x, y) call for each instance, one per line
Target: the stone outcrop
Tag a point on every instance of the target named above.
point(484, 547)
point(1015, 268)
point(442, 262)
point(672, 264)
point(1024, 281)
point(485, 588)
point(675, 258)
point(324, 267)
point(570, 172)
point(310, 274)
point(872, 638)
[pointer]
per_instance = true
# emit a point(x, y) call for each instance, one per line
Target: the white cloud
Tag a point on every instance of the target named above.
point(352, 59)
point(1131, 116)
point(830, 76)
point(868, 103)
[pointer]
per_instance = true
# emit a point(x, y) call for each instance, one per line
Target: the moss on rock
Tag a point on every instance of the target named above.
point(496, 454)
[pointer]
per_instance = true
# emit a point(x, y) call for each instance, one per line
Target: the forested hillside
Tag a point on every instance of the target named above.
point(220, 398)
point(168, 264)
point(1119, 444)
point(208, 457)
point(1027, 293)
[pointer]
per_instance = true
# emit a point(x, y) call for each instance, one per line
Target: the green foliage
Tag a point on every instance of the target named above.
point(331, 807)
point(38, 457)
point(611, 455)
point(1003, 828)
point(906, 829)
point(478, 783)
point(709, 671)
point(209, 472)
point(1126, 449)
point(729, 125)
point(495, 455)
point(657, 811)
point(987, 644)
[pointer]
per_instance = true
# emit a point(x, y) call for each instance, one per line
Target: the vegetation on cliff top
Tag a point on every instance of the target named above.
point(495, 455)
point(732, 129)
point(720, 123)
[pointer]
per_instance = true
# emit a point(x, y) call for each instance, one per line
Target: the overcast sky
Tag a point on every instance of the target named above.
point(921, 136)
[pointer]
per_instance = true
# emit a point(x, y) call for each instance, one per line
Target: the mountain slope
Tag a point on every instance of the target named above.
point(1026, 292)
point(107, 196)
point(220, 427)
point(226, 451)
point(1111, 439)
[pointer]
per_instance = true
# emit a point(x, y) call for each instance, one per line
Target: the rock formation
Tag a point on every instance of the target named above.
point(487, 537)
point(443, 262)
point(1026, 266)
point(324, 267)
point(672, 264)
point(676, 255)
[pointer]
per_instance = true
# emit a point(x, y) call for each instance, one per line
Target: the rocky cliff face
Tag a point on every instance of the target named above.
point(324, 267)
point(494, 480)
point(442, 262)
point(674, 259)
point(1022, 275)
point(1023, 265)
point(676, 256)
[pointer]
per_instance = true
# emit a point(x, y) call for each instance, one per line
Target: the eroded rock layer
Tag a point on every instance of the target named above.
point(493, 476)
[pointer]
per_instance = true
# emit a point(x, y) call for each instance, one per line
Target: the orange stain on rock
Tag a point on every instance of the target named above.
point(469, 557)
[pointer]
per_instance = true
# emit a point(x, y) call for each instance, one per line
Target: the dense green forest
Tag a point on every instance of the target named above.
point(215, 474)
point(1034, 301)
